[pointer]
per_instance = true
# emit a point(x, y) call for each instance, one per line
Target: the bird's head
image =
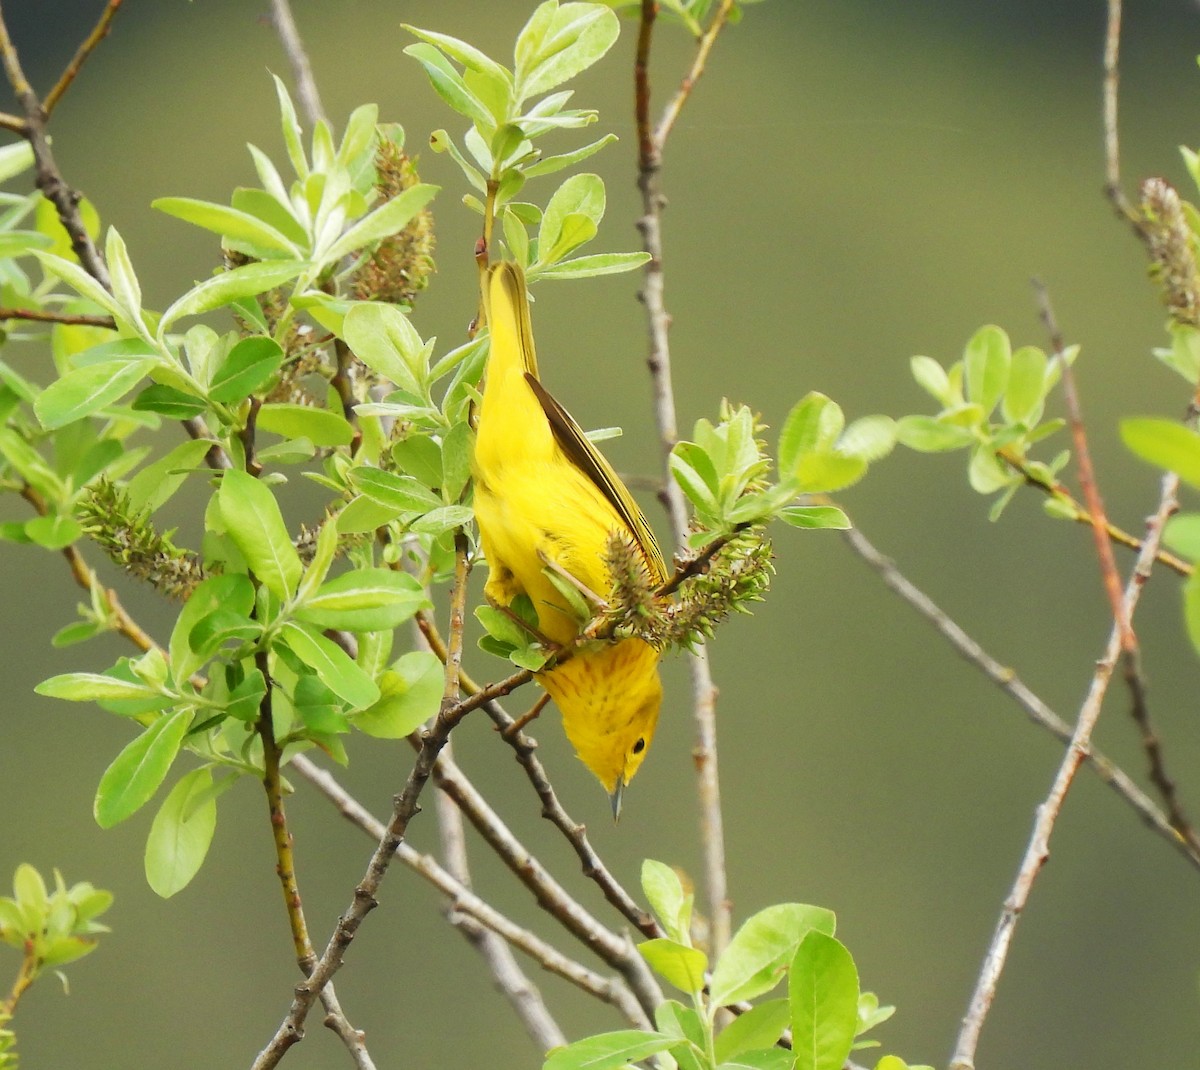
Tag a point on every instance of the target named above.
point(609, 698)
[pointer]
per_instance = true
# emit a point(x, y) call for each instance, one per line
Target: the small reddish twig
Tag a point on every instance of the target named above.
point(699, 61)
point(81, 54)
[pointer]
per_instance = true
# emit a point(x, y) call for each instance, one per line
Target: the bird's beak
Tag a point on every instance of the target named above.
point(616, 795)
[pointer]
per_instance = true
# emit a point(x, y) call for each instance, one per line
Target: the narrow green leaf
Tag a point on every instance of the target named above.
point(410, 693)
point(758, 954)
point(92, 687)
point(394, 491)
point(87, 390)
point(256, 526)
point(759, 1027)
point(932, 378)
point(228, 286)
point(135, 774)
point(155, 483)
point(987, 359)
point(229, 222)
point(928, 434)
point(448, 83)
point(552, 50)
point(249, 366)
point(332, 665)
point(814, 421)
point(549, 164)
point(169, 401)
point(609, 1051)
point(124, 281)
point(670, 903)
point(320, 426)
point(292, 136)
point(365, 599)
point(389, 218)
point(586, 267)
point(1023, 400)
point(181, 833)
point(823, 473)
point(580, 195)
point(676, 963)
point(231, 591)
point(815, 516)
point(382, 337)
point(823, 994)
point(363, 515)
point(83, 284)
point(1166, 444)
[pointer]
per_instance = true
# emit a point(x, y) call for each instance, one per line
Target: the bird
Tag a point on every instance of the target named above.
point(546, 499)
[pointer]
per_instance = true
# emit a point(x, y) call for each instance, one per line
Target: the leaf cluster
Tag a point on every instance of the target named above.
point(791, 944)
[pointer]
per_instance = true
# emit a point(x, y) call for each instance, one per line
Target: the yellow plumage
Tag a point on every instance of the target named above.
point(543, 493)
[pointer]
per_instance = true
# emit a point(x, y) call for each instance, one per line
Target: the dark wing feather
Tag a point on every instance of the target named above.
point(584, 455)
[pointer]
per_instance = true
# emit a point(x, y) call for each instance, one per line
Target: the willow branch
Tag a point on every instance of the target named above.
point(1112, 147)
point(81, 55)
point(1038, 849)
point(466, 903)
point(553, 811)
point(1007, 680)
point(48, 177)
point(704, 46)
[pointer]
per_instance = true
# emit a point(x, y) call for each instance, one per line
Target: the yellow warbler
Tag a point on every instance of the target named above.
point(545, 495)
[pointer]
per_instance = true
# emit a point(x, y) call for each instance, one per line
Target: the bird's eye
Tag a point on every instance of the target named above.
point(639, 746)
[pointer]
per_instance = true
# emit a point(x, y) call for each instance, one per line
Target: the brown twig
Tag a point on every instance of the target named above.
point(42, 316)
point(1008, 681)
point(1038, 849)
point(302, 75)
point(466, 903)
point(704, 690)
point(49, 179)
point(99, 32)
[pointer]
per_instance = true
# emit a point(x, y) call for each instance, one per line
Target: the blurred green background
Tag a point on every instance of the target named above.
point(854, 182)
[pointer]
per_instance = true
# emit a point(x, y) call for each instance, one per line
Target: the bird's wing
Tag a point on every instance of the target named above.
point(584, 455)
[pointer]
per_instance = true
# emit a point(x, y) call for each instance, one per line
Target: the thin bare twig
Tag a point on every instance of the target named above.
point(1038, 849)
point(1112, 149)
point(41, 316)
point(302, 75)
point(704, 690)
point(1008, 681)
point(523, 996)
point(466, 903)
point(1130, 651)
point(81, 55)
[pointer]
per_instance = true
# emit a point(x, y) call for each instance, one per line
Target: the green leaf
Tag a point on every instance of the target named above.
point(763, 1059)
point(181, 833)
point(580, 195)
point(332, 665)
point(292, 136)
point(256, 526)
point(676, 963)
point(363, 515)
point(155, 483)
point(419, 456)
point(986, 359)
point(382, 337)
point(446, 518)
point(83, 284)
point(559, 42)
point(818, 473)
point(823, 994)
point(932, 378)
point(869, 438)
point(92, 687)
point(320, 426)
point(670, 903)
point(1023, 400)
point(389, 218)
point(549, 164)
point(86, 390)
point(761, 949)
point(228, 286)
point(609, 1051)
point(232, 592)
point(365, 600)
point(759, 1027)
point(586, 267)
point(229, 222)
point(929, 434)
point(250, 365)
point(393, 491)
point(987, 473)
point(124, 281)
point(168, 401)
point(813, 423)
point(674, 1019)
point(1182, 534)
point(1166, 444)
point(815, 516)
point(448, 83)
point(1191, 608)
point(135, 774)
point(410, 693)
point(53, 532)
